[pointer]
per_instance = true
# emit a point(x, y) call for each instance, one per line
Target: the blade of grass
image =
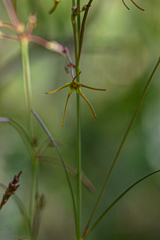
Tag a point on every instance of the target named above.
point(121, 145)
point(115, 201)
point(64, 166)
point(20, 130)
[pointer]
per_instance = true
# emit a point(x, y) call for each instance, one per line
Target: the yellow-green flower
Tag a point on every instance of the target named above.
point(75, 86)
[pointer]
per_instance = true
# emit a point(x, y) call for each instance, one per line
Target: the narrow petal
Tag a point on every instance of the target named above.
point(64, 86)
point(137, 5)
point(69, 94)
point(82, 95)
point(98, 89)
point(125, 5)
point(76, 76)
point(54, 6)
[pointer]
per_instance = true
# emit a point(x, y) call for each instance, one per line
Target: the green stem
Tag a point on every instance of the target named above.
point(78, 20)
point(27, 85)
point(75, 37)
point(79, 159)
point(27, 89)
point(121, 146)
point(64, 166)
point(73, 3)
point(79, 167)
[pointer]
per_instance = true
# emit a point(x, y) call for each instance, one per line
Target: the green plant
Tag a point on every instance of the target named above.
point(23, 36)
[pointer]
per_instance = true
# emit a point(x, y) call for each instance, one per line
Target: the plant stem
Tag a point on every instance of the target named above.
point(62, 161)
point(27, 89)
point(78, 20)
point(14, 3)
point(75, 37)
point(79, 158)
point(83, 28)
point(121, 145)
point(79, 167)
point(11, 12)
point(27, 85)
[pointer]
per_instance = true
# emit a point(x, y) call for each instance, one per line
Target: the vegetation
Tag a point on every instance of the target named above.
point(75, 170)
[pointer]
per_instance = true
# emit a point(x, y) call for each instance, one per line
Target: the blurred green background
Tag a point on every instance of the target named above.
point(120, 50)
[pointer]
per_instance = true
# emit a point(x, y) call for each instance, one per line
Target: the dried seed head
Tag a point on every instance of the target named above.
point(11, 189)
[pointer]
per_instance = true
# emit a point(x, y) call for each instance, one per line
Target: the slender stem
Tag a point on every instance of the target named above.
point(74, 29)
point(78, 19)
point(11, 12)
point(76, 32)
point(14, 3)
point(83, 28)
point(62, 161)
point(27, 85)
point(79, 167)
point(73, 3)
point(76, 22)
point(23, 134)
point(75, 37)
point(27, 89)
point(121, 145)
point(9, 37)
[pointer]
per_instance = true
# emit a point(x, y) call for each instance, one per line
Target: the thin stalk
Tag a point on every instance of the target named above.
point(27, 89)
point(62, 161)
point(27, 85)
point(20, 130)
point(11, 12)
point(116, 201)
point(79, 157)
point(79, 167)
point(23, 135)
point(78, 19)
point(75, 36)
point(74, 29)
point(121, 145)
point(73, 3)
point(9, 37)
point(14, 4)
point(83, 28)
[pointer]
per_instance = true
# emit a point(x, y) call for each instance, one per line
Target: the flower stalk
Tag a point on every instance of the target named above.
point(28, 96)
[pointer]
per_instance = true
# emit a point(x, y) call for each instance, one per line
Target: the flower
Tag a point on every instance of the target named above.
point(76, 86)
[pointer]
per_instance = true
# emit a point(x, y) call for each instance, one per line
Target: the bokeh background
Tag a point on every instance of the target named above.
point(120, 50)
